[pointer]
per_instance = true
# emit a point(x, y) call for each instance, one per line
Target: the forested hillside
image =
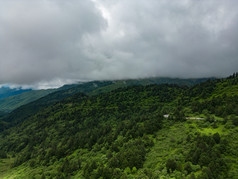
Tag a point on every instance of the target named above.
point(11, 99)
point(6, 91)
point(12, 102)
point(123, 133)
point(35, 100)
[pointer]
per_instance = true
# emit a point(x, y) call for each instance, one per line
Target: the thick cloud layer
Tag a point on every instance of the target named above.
point(52, 42)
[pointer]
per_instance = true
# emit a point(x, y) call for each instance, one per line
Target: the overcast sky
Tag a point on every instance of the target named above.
point(46, 43)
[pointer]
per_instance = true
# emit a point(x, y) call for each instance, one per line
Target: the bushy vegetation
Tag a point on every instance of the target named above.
point(123, 134)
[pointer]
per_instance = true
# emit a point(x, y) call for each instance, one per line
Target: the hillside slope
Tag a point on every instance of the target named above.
point(10, 103)
point(23, 112)
point(7, 91)
point(17, 99)
point(219, 97)
point(90, 88)
point(123, 134)
point(90, 120)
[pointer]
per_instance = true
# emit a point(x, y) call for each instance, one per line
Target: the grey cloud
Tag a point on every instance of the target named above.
point(179, 38)
point(55, 40)
point(42, 40)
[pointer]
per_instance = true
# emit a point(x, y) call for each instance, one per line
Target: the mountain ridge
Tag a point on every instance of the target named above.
point(6, 91)
point(10, 103)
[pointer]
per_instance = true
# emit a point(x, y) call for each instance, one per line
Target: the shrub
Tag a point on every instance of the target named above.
point(171, 165)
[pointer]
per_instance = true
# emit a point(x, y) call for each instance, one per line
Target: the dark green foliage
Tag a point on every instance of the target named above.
point(152, 125)
point(188, 167)
point(216, 137)
point(171, 165)
point(234, 120)
point(88, 169)
point(202, 90)
point(3, 113)
point(132, 154)
point(207, 152)
point(43, 176)
point(69, 166)
point(219, 97)
point(3, 154)
point(178, 115)
point(216, 105)
point(206, 173)
point(104, 172)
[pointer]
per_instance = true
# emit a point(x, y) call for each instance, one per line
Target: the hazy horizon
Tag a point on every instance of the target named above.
point(54, 85)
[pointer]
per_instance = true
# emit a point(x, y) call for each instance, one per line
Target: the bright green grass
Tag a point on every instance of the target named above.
point(5, 166)
point(210, 131)
point(169, 143)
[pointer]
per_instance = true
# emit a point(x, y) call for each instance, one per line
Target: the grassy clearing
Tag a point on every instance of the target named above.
point(172, 143)
point(169, 143)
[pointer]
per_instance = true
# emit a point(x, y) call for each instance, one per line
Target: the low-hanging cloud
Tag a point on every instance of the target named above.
point(55, 41)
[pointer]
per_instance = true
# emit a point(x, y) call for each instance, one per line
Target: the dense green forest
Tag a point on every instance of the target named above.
point(121, 132)
point(11, 99)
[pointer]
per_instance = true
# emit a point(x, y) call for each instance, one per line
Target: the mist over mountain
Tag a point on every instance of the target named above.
point(6, 91)
point(50, 43)
point(114, 89)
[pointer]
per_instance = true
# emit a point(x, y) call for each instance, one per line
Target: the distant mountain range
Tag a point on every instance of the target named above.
point(6, 91)
point(11, 99)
